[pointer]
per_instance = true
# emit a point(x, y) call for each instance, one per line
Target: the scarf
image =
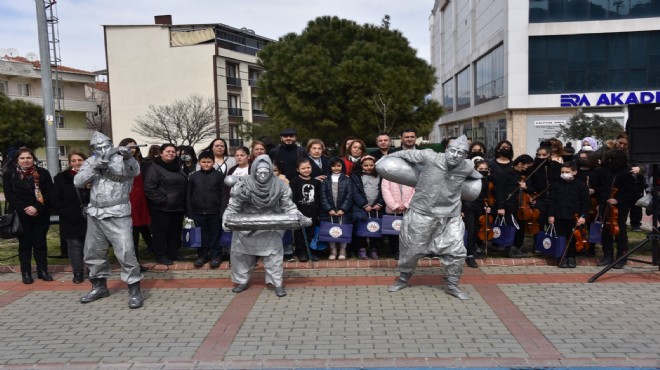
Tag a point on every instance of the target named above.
point(32, 172)
point(173, 166)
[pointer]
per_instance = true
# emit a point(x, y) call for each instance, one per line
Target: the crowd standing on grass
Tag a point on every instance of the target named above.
point(565, 190)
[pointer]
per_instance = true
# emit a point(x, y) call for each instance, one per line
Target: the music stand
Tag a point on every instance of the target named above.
point(653, 236)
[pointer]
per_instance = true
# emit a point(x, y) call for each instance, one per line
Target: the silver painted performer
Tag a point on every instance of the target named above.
point(433, 222)
point(252, 197)
point(110, 173)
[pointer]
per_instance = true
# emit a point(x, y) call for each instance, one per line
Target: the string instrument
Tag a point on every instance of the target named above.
point(485, 233)
point(593, 209)
point(490, 195)
point(612, 215)
point(525, 211)
point(580, 237)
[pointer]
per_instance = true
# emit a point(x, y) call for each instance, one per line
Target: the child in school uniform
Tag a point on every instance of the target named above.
point(336, 202)
point(568, 198)
point(306, 196)
point(367, 202)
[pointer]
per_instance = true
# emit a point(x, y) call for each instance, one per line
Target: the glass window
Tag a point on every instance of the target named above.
point(463, 89)
point(590, 10)
point(489, 76)
point(448, 96)
point(23, 89)
point(594, 62)
point(4, 87)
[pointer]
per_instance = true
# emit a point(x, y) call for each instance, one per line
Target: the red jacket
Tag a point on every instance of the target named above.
point(139, 210)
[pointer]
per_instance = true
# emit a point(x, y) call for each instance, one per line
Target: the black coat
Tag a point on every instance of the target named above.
point(205, 192)
point(20, 193)
point(568, 198)
point(316, 171)
point(73, 225)
point(344, 199)
point(165, 189)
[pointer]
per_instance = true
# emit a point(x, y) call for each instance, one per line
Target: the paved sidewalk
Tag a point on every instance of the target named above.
point(519, 316)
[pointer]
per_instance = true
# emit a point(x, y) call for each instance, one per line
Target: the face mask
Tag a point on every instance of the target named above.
point(583, 163)
point(186, 158)
point(506, 152)
point(587, 148)
point(483, 173)
point(567, 176)
point(477, 154)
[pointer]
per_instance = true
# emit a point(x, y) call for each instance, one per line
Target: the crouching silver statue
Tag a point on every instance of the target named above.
point(433, 222)
point(110, 173)
point(259, 210)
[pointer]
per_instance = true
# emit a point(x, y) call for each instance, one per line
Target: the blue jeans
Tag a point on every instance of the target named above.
point(211, 227)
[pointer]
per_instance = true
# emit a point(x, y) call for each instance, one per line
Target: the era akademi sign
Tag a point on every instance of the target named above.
point(607, 99)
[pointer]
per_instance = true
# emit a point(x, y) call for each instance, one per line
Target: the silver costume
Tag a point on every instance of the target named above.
point(110, 173)
point(433, 223)
point(252, 197)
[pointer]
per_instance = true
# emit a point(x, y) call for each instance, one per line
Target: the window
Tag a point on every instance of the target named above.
point(254, 75)
point(4, 87)
point(232, 75)
point(233, 103)
point(60, 121)
point(63, 152)
point(489, 76)
point(99, 110)
point(448, 96)
point(463, 89)
point(256, 106)
point(57, 92)
point(594, 62)
point(23, 89)
point(541, 11)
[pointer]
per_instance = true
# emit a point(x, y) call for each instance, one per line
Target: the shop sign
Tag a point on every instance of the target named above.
point(606, 99)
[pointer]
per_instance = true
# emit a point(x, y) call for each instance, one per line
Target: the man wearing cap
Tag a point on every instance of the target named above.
point(110, 174)
point(287, 153)
point(433, 222)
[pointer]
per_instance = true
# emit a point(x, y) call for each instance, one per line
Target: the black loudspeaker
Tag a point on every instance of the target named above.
point(643, 128)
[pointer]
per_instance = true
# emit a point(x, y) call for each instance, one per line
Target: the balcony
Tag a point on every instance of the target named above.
point(74, 134)
point(233, 81)
point(70, 105)
point(253, 82)
point(235, 112)
point(235, 143)
point(259, 112)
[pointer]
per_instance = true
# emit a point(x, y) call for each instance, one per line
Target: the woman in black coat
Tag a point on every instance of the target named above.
point(165, 188)
point(27, 190)
point(73, 224)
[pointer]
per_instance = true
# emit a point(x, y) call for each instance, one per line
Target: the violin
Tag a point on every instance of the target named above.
point(490, 198)
point(612, 215)
point(525, 211)
point(593, 210)
point(485, 233)
point(580, 237)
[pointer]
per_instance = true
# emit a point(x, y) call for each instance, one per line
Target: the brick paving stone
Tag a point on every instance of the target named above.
point(593, 320)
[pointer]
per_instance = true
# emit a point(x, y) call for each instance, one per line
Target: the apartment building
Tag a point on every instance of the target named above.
point(160, 63)
point(518, 69)
point(20, 78)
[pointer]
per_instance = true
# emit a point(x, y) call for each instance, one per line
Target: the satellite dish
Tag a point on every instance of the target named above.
point(32, 56)
point(12, 52)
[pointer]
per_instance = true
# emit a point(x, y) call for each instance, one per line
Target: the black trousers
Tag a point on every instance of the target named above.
point(564, 228)
point(471, 220)
point(166, 228)
point(33, 239)
point(299, 240)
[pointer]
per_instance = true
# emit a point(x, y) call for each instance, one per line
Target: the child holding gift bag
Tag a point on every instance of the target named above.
point(305, 195)
point(568, 197)
point(336, 202)
point(367, 202)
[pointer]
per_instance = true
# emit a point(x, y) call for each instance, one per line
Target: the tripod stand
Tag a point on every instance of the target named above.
point(653, 236)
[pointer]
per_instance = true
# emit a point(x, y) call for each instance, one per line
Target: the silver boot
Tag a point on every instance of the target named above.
point(452, 276)
point(99, 290)
point(134, 295)
point(401, 282)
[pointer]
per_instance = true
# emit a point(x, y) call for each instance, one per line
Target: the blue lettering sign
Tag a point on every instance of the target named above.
point(632, 99)
point(647, 97)
point(621, 98)
point(616, 98)
point(603, 100)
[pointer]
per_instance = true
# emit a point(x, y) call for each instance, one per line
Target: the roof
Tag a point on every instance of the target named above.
point(37, 65)
point(102, 86)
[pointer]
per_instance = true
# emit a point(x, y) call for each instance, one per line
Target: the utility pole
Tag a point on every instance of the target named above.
point(52, 152)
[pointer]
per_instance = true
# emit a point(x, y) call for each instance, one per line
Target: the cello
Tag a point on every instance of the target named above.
point(612, 215)
point(485, 233)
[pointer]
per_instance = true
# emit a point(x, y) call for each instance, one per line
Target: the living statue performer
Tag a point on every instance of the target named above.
point(259, 210)
point(110, 171)
point(433, 222)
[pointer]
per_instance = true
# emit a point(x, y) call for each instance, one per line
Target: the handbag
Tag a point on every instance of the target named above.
point(596, 230)
point(547, 242)
point(370, 228)
point(503, 234)
point(335, 232)
point(315, 244)
point(225, 238)
point(391, 224)
point(10, 224)
point(645, 201)
point(191, 236)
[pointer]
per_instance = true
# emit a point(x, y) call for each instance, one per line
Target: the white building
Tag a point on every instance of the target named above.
point(517, 69)
point(160, 63)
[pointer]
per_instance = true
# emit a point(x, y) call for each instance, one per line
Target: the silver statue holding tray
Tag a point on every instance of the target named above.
point(433, 222)
point(259, 211)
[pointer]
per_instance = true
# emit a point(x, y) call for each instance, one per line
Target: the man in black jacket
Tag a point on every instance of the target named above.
point(287, 153)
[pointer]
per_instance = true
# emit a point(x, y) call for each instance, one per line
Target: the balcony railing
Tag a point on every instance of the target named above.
point(74, 134)
point(233, 81)
point(235, 112)
point(253, 82)
point(71, 105)
point(235, 143)
point(258, 112)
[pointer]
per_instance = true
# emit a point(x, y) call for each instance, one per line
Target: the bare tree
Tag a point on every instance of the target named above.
point(384, 108)
point(184, 122)
point(99, 120)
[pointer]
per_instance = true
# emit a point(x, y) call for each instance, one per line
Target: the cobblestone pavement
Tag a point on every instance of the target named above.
point(521, 314)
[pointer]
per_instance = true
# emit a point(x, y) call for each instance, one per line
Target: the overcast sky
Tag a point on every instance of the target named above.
point(81, 34)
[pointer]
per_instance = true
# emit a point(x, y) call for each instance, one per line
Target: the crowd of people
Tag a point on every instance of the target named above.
point(563, 188)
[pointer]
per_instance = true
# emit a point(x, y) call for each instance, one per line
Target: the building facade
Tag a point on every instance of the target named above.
point(161, 63)
point(518, 69)
point(21, 79)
